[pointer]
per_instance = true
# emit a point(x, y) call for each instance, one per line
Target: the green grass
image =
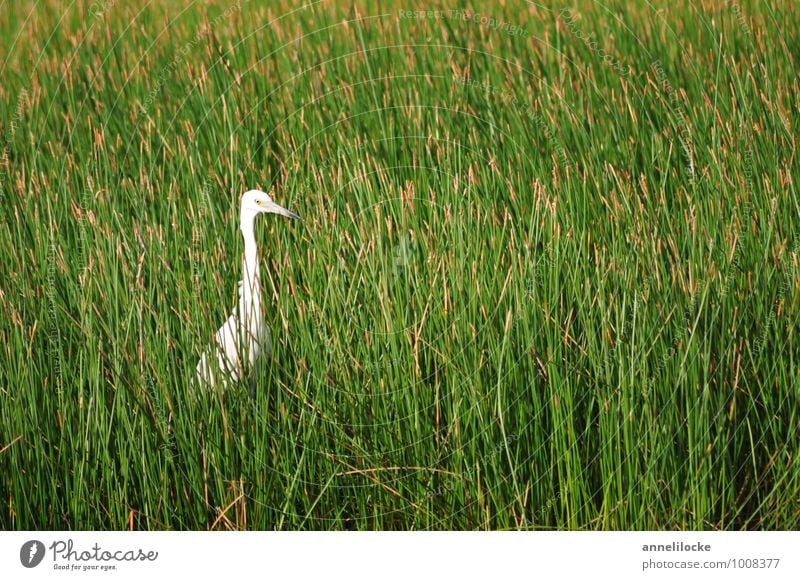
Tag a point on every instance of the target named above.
point(545, 280)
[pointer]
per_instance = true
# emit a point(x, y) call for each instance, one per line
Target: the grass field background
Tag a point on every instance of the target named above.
point(547, 276)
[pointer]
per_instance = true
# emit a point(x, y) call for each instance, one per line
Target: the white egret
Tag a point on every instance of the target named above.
point(244, 336)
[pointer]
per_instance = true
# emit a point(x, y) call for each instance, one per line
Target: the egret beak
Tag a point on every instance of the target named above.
point(275, 208)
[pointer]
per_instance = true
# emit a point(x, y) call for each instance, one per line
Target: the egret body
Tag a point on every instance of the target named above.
point(244, 337)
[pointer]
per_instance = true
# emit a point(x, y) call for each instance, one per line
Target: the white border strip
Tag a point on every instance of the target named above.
point(406, 555)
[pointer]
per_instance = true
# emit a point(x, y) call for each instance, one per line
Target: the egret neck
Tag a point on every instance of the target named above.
point(250, 305)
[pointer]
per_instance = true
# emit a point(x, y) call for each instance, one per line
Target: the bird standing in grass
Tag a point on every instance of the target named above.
point(244, 336)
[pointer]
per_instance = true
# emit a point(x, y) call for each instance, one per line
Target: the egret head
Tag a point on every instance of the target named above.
point(255, 202)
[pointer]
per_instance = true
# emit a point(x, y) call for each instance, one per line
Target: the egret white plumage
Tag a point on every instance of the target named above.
point(244, 336)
